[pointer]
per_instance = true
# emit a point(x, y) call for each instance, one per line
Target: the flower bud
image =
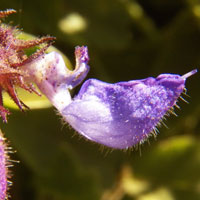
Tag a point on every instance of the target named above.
point(3, 169)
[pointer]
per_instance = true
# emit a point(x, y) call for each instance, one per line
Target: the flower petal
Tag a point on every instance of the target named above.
point(123, 114)
point(54, 79)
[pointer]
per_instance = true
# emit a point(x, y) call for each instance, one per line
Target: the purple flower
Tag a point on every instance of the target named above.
point(117, 115)
point(3, 169)
point(54, 79)
point(123, 114)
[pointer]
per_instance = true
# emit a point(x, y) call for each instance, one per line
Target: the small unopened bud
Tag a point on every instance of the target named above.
point(3, 168)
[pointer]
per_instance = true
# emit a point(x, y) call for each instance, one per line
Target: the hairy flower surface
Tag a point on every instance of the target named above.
point(118, 115)
point(54, 79)
point(12, 57)
point(3, 169)
point(123, 114)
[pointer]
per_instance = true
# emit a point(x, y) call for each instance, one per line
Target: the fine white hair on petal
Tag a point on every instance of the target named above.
point(54, 79)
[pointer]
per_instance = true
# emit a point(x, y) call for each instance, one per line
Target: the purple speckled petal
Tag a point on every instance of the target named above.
point(3, 169)
point(123, 114)
point(54, 79)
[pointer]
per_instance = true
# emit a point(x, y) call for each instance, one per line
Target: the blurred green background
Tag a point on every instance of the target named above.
point(127, 40)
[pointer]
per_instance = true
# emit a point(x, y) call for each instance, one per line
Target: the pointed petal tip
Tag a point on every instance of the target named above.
point(185, 76)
